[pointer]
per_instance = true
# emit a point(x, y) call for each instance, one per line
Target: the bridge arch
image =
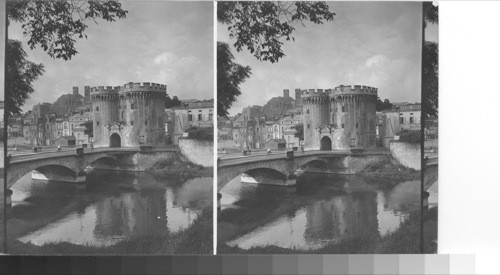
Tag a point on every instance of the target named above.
point(49, 171)
point(325, 143)
point(265, 173)
point(101, 159)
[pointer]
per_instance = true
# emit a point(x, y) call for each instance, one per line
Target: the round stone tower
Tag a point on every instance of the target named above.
point(105, 110)
point(142, 108)
point(353, 112)
point(315, 107)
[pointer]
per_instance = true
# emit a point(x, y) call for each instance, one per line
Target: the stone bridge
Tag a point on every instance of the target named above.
point(286, 169)
point(69, 166)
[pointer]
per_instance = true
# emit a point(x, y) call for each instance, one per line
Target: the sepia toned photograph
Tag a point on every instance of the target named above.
point(319, 127)
point(109, 108)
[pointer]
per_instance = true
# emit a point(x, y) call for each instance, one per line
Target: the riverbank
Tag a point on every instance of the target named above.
point(179, 167)
point(197, 239)
point(388, 169)
point(404, 240)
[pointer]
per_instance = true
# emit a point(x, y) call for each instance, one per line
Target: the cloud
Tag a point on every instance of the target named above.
point(376, 60)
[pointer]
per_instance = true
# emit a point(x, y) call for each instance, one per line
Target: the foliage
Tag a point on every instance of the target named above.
point(430, 68)
point(20, 73)
point(200, 133)
point(52, 25)
point(410, 136)
point(262, 26)
point(385, 105)
point(299, 131)
point(430, 77)
point(172, 102)
point(89, 128)
point(229, 77)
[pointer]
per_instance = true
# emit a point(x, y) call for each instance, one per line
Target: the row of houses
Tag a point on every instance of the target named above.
point(48, 129)
point(43, 127)
point(252, 129)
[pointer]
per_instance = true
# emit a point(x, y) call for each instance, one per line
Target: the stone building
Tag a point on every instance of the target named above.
point(129, 115)
point(278, 105)
point(340, 118)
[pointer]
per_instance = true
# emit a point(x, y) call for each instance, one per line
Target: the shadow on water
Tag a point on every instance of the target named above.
point(111, 208)
point(320, 210)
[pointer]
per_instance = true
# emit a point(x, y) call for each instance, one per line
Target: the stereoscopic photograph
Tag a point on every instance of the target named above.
point(109, 109)
point(319, 127)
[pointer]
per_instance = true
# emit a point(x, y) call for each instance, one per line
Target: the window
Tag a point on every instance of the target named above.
point(210, 117)
point(200, 117)
point(411, 120)
point(308, 126)
point(97, 122)
point(342, 125)
point(131, 122)
point(123, 114)
point(402, 120)
point(132, 106)
point(199, 111)
point(343, 109)
point(357, 125)
point(307, 112)
point(146, 123)
point(190, 117)
point(97, 108)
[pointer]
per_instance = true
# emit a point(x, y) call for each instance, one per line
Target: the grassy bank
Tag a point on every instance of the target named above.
point(197, 239)
point(404, 240)
point(389, 170)
point(179, 167)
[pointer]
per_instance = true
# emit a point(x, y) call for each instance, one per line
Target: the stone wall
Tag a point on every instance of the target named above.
point(198, 151)
point(409, 155)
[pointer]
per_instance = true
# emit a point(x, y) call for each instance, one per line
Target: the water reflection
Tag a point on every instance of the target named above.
point(112, 208)
point(321, 210)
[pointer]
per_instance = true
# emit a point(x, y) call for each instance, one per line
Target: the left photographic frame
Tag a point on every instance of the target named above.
point(108, 128)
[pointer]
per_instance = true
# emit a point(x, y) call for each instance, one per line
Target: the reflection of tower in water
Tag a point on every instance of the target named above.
point(131, 215)
point(342, 217)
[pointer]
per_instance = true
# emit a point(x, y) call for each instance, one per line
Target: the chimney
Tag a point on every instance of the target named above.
point(75, 90)
point(286, 93)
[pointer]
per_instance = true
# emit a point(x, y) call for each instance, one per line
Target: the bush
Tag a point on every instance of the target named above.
point(199, 133)
point(410, 136)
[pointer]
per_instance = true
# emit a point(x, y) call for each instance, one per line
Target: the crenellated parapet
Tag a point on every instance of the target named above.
point(104, 93)
point(354, 90)
point(143, 87)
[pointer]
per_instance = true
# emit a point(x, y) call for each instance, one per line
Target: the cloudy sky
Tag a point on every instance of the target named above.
point(164, 42)
point(376, 44)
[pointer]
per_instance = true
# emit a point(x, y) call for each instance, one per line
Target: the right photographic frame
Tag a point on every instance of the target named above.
point(327, 127)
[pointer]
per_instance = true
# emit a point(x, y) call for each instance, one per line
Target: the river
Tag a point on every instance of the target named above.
point(112, 208)
point(319, 210)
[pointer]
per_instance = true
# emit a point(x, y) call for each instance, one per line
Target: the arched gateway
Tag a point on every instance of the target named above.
point(115, 140)
point(326, 144)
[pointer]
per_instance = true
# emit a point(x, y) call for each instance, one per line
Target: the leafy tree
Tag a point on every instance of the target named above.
point(262, 26)
point(410, 136)
point(89, 128)
point(430, 68)
point(229, 77)
point(170, 103)
point(385, 105)
point(20, 73)
point(53, 26)
point(299, 131)
point(201, 133)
